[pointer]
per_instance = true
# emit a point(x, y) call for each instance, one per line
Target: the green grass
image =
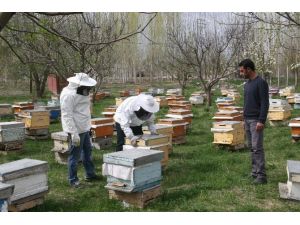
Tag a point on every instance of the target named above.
point(199, 176)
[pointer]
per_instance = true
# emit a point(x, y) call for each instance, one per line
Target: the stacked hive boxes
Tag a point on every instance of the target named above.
point(5, 109)
point(196, 100)
point(61, 147)
point(133, 176)
point(228, 115)
point(184, 114)
point(154, 142)
point(162, 101)
point(30, 179)
point(273, 91)
point(230, 108)
point(174, 98)
point(36, 122)
point(295, 128)
point(6, 191)
point(234, 94)
point(285, 92)
point(180, 105)
point(177, 91)
point(110, 111)
point(54, 112)
point(102, 132)
point(291, 190)
point(224, 102)
point(179, 129)
point(12, 136)
point(164, 130)
point(229, 133)
point(279, 111)
point(20, 106)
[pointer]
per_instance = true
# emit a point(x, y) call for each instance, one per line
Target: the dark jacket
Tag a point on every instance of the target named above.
point(256, 99)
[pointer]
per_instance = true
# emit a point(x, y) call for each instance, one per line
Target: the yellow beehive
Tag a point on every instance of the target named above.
point(228, 132)
point(164, 130)
point(279, 114)
point(35, 119)
point(161, 100)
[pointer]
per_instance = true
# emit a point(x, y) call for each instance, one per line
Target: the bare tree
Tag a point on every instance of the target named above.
point(208, 50)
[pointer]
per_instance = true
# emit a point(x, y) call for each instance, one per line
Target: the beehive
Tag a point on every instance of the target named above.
point(178, 125)
point(109, 112)
point(35, 119)
point(102, 127)
point(132, 170)
point(20, 106)
point(161, 100)
point(286, 91)
point(226, 115)
point(174, 98)
point(228, 132)
point(295, 127)
point(124, 93)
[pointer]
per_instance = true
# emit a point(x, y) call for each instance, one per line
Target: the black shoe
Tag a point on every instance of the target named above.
point(260, 180)
point(75, 184)
point(91, 179)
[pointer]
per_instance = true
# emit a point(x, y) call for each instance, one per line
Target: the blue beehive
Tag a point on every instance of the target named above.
point(132, 170)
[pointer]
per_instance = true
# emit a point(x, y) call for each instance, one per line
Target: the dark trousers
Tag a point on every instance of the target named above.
point(84, 151)
point(121, 136)
point(255, 143)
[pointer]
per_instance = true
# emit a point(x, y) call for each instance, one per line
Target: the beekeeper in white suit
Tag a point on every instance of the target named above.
point(76, 121)
point(130, 117)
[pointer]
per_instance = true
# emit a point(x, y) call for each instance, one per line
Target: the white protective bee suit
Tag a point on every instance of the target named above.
point(127, 118)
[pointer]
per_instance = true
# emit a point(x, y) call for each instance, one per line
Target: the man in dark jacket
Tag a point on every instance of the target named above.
point(256, 106)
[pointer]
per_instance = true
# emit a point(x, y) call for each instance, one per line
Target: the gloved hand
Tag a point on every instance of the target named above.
point(154, 132)
point(75, 139)
point(133, 140)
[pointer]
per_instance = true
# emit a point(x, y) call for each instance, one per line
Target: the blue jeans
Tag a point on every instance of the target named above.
point(85, 151)
point(255, 143)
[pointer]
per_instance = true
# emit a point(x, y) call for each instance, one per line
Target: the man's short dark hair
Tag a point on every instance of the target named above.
point(247, 63)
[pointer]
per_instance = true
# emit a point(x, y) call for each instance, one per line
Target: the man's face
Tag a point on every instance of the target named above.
point(245, 72)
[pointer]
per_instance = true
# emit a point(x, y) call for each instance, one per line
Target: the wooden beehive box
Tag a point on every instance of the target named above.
point(176, 91)
point(291, 99)
point(228, 132)
point(119, 100)
point(161, 100)
point(5, 109)
point(102, 127)
point(29, 177)
point(174, 98)
point(133, 178)
point(20, 106)
point(295, 127)
point(150, 140)
point(181, 105)
point(226, 115)
point(279, 115)
point(235, 95)
point(136, 199)
point(183, 114)
point(61, 142)
point(35, 119)
point(12, 131)
point(178, 125)
point(196, 100)
point(230, 108)
point(165, 130)
point(286, 91)
point(109, 111)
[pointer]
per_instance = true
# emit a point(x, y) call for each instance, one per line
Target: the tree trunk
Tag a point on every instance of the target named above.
point(209, 96)
point(4, 18)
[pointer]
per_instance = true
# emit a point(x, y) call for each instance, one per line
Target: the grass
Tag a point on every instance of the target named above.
point(199, 176)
